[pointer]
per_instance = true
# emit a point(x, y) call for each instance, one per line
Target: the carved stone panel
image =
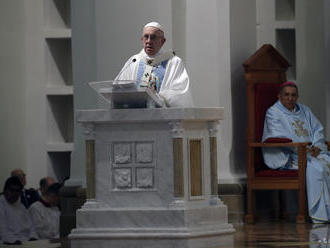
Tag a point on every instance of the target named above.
point(144, 152)
point(122, 153)
point(144, 177)
point(133, 165)
point(122, 178)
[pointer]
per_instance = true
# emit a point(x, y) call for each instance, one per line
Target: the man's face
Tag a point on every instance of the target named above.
point(21, 175)
point(288, 97)
point(152, 39)
point(12, 193)
point(49, 181)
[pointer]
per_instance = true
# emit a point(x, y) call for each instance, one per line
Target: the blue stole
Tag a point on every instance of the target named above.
point(158, 70)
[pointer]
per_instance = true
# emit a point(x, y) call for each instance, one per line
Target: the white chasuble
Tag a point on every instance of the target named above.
point(165, 70)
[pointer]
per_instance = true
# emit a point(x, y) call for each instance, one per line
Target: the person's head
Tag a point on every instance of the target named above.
point(152, 38)
point(12, 189)
point(288, 95)
point(44, 183)
point(52, 194)
point(20, 174)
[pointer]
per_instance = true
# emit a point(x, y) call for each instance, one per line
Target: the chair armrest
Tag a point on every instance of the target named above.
point(291, 144)
point(302, 152)
point(278, 140)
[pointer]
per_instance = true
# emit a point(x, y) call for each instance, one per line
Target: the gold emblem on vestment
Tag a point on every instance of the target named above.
point(299, 128)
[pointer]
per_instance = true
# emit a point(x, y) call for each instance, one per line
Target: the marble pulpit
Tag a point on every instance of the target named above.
point(151, 180)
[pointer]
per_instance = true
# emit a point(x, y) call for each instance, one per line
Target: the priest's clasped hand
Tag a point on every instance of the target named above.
point(314, 151)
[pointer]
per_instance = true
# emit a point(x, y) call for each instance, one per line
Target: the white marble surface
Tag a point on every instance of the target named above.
point(150, 115)
point(127, 242)
point(134, 203)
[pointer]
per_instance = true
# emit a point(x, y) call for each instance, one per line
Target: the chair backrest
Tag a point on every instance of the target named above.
point(265, 96)
point(264, 72)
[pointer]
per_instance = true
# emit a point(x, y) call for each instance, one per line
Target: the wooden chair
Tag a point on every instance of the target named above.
point(264, 72)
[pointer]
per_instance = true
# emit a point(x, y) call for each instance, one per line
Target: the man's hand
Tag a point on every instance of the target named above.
point(152, 86)
point(314, 151)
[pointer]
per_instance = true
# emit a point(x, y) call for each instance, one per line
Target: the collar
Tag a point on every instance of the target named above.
point(46, 204)
point(295, 111)
point(157, 59)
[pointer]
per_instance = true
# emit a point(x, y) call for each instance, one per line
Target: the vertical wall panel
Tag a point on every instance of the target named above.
point(195, 162)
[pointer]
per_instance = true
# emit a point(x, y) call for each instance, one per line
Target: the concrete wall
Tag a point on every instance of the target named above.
point(23, 108)
point(208, 64)
point(12, 88)
point(242, 46)
point(84, 71)
point(35, 102)
point(311, 57)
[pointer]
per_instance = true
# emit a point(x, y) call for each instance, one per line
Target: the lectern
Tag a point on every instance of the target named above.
point(151, 179)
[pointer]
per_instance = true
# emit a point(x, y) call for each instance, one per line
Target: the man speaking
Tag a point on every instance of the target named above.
point(161, 71)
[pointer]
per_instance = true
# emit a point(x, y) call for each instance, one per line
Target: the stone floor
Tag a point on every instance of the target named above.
point(262, 234)
point(282, 234)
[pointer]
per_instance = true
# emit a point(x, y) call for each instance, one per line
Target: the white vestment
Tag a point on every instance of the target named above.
point(15, 222)
point(174, 85)
point(46, 220)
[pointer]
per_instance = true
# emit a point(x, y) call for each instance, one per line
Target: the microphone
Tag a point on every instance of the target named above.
point(125, 67)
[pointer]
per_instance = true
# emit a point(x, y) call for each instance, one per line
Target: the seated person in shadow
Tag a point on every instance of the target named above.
point(289, 119)
point(15, 222)
point(44, 183)
point(28, 196)
point(45, 213)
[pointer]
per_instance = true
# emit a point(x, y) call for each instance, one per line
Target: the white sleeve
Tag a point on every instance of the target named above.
point(175, 88)
point(37, 220)
point(5, 234)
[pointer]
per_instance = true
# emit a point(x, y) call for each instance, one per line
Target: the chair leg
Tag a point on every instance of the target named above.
point(284, 205)
point(276, 203)
point(301, 217)
point(249, 217)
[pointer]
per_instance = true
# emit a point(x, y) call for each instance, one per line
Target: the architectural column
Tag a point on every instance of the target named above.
point(213, 129)
point(178, 162)
point(89, 132)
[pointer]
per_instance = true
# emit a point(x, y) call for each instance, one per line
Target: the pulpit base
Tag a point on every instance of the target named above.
point(152, 228)
point(171, 239)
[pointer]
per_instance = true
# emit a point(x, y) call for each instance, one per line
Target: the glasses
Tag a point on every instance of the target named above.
point(151, 37)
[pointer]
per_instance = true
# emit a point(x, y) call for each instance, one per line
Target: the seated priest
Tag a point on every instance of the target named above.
point(45, 213)
point(15, 222)
point(28, 196)
point(295, 121)
point(44, 183)
point(161, 71)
